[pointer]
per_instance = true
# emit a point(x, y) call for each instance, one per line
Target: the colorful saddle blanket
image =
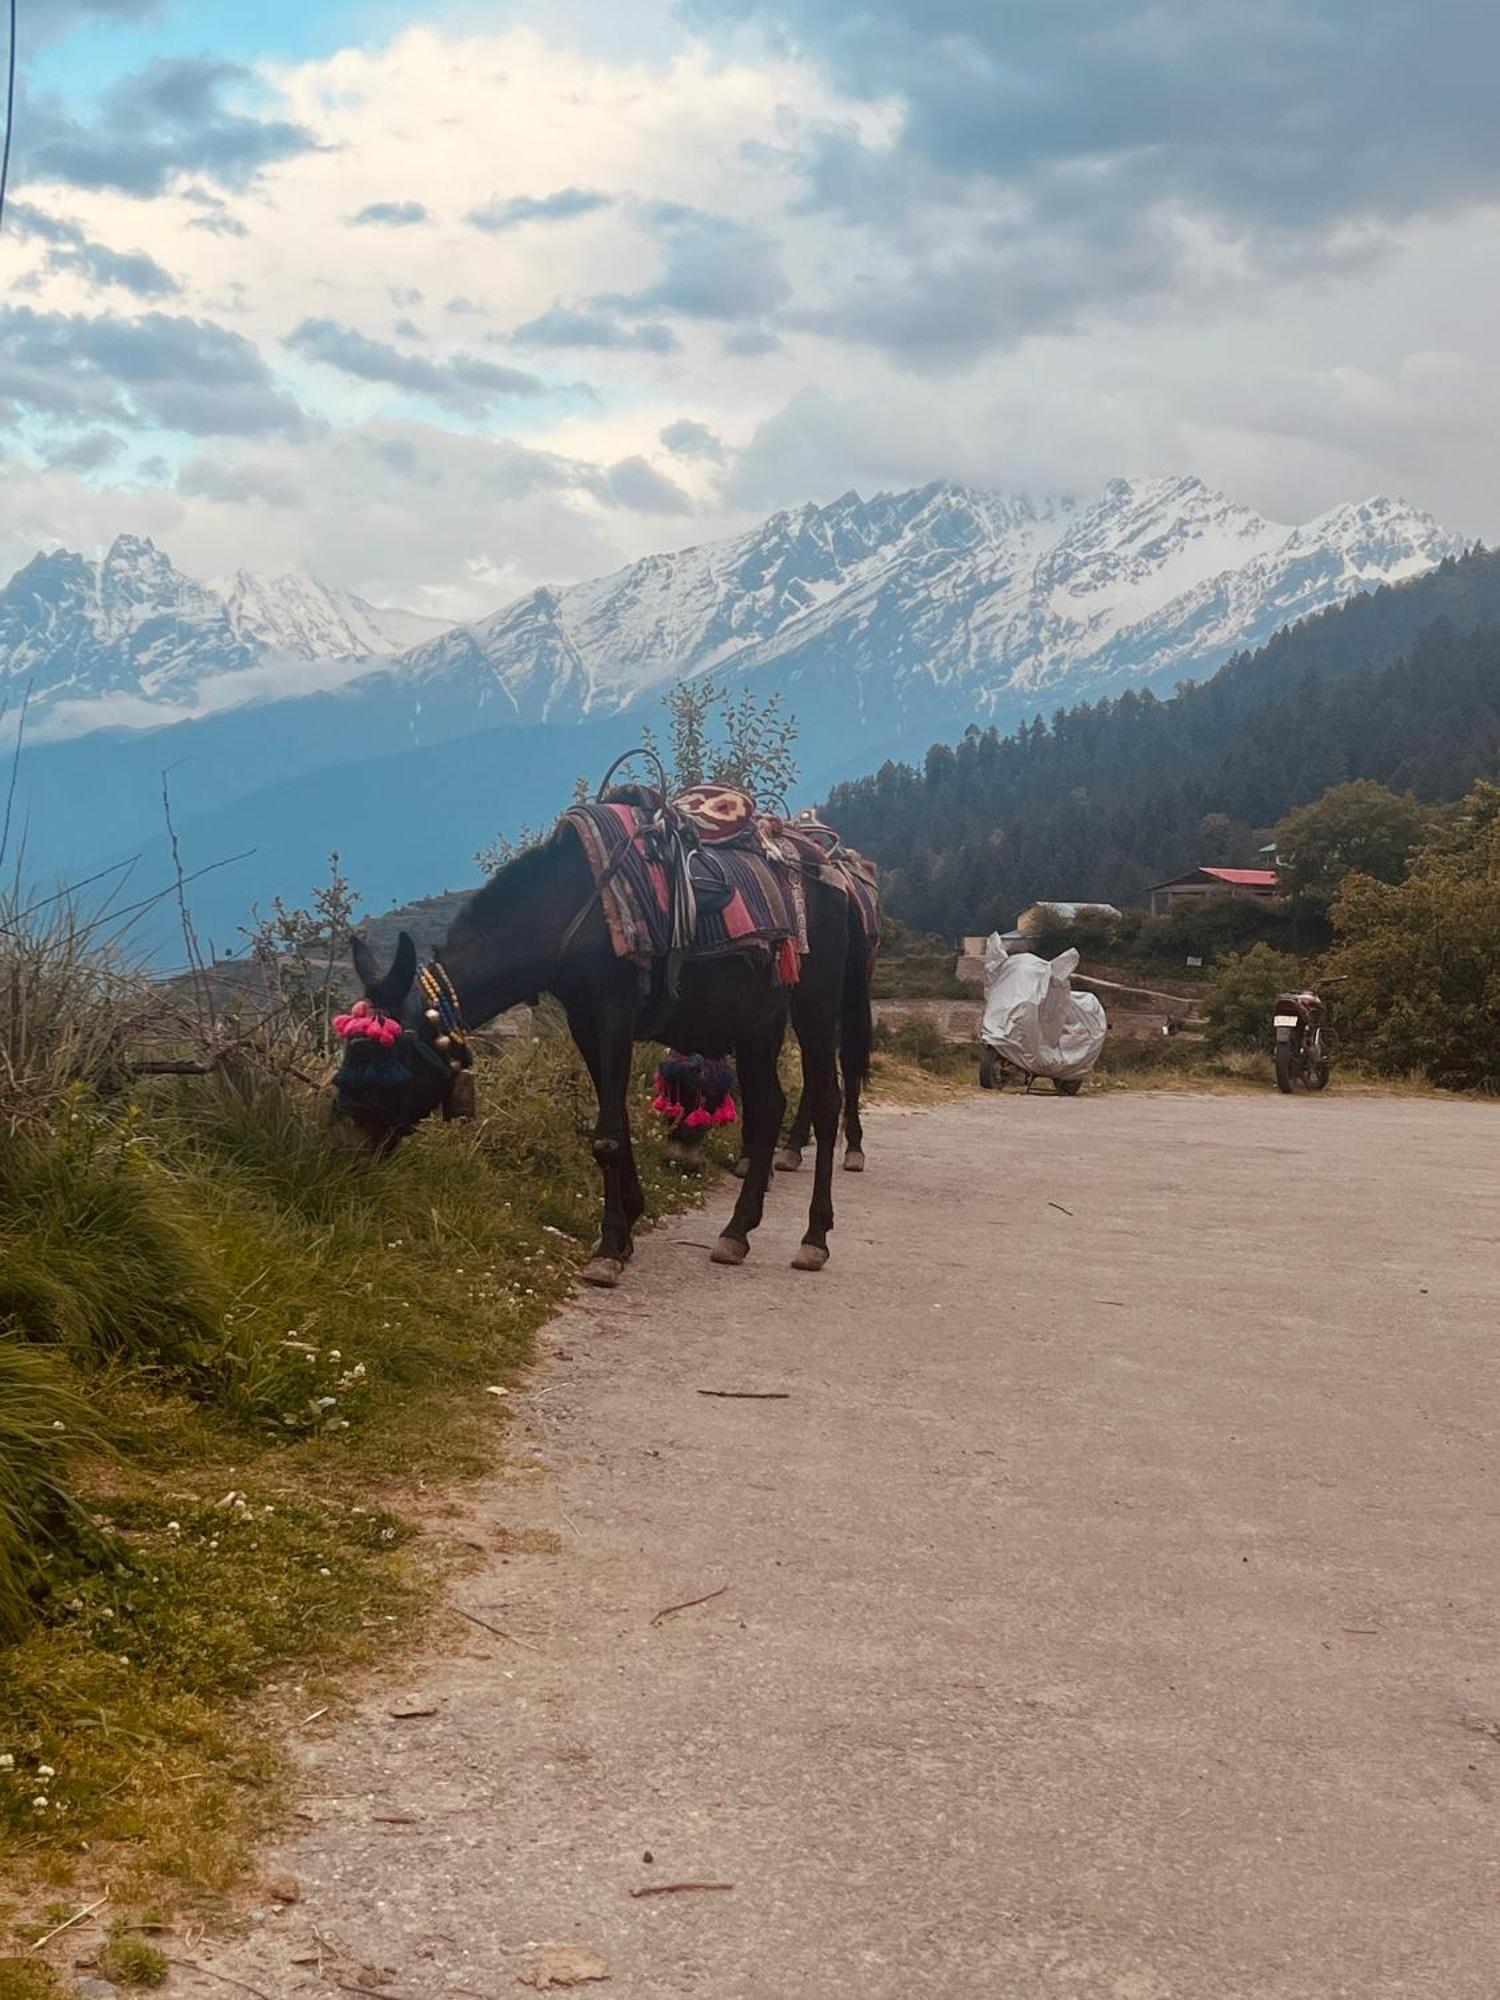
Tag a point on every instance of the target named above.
point(819, 846)
point(746, 896)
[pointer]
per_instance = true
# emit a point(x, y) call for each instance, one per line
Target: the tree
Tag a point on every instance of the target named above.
point(1419, 959)
point(1359, 827)
point(723, 739)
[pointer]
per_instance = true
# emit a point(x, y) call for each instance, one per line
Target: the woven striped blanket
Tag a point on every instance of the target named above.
point(751, 897)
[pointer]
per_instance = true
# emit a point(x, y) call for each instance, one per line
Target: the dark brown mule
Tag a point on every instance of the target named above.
point(856, 1035)
point(537, 927)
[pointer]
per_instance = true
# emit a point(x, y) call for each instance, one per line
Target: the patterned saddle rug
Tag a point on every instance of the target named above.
point(820, 847)
point(743, 893)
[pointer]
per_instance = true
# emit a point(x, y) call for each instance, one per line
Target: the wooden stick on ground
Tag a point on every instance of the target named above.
point(687, 1605)
point(677, 1888)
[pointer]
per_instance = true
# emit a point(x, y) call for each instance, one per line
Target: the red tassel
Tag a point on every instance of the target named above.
point(696, 1120)
point(726, 1113)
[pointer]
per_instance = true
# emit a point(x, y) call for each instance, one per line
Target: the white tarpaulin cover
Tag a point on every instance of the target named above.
point(1033, 1017)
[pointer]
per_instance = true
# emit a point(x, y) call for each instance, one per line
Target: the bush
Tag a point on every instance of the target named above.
point(1091, 930)
point(43, 1420)
point(1420, 959)
point(1241, 1002)
point(131, 1961)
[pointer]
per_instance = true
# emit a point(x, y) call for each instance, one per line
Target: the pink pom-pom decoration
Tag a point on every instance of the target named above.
point(726, 1113)
point(363, 1023)
point(696, 1120)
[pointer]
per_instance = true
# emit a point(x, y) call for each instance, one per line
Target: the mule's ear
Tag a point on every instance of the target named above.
point(403, 967)
point(365, 969)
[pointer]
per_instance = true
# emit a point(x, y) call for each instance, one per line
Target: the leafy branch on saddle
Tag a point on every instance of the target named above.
point(695, 921)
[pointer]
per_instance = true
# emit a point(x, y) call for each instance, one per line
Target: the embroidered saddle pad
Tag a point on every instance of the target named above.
point(818, 846)
point(748, 897)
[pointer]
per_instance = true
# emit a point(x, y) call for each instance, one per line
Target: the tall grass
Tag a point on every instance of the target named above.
point(43, 1421)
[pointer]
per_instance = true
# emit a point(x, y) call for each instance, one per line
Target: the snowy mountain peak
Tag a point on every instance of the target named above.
point(131, 624)
point(955, 601)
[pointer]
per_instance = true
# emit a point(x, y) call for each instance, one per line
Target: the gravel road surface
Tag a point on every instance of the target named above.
point(1101, 1595)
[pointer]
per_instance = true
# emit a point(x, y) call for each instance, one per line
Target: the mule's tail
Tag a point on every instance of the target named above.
point(856, 1023)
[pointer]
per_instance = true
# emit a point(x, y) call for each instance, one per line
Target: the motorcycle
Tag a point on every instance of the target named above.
point(1304, 1046)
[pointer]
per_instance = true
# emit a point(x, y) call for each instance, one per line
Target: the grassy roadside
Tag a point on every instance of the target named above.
point(266, 1350)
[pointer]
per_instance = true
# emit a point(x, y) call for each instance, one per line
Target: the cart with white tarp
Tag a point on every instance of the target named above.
point(1034, 1023)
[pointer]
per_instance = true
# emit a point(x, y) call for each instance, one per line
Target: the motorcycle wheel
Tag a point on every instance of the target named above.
point(1317, 1076)
point(989, 1070)
point(1287, 1066)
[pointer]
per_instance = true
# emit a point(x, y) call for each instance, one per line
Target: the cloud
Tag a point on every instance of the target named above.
point(164, 370)
point(636, 484)
point(219, 225)
point(391, 214)
point(693, 440)
point(566, 205)
point(750, 342)
point(462, 380)
point(566, 326)
point(1039, 163)
point(71, 250)
point(215, 479)
point(61, 17)
point(89, 453)
point(714, 267)
point(164, 121)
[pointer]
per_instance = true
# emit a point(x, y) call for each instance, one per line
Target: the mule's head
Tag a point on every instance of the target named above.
point(394, 1073)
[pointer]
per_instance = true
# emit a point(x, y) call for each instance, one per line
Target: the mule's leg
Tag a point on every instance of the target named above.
point(790, 1157)
point(820, 1067)
point(854, 1131)
point(605, 1046)
point(762, 1103)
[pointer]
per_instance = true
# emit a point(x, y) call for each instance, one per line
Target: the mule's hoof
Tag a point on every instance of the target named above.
point(602, 1271)
point(810, 1257)
point(729, 1250)
point(789, 1159)
point(854, 1161)
point(741, 1168)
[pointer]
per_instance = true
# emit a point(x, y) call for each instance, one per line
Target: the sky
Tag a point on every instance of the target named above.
point(443, 302)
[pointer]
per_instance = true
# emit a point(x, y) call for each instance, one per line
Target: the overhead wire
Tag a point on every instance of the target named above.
point(10, 110)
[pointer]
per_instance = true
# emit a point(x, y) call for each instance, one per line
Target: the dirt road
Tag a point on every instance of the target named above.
point(1110, 1609)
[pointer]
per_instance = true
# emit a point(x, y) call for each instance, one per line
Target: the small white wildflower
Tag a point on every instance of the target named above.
point(327, 1402)
point(7, 1761)
point(45, 1771)
point(325, 1572)
point(174, 1527)
point(58, 1424)
point(105, 1612)
point(41, 1801)
point(334, 1354)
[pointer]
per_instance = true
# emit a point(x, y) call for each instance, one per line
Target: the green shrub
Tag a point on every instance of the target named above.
point(131, 1961)
point(1241, 1000)
point(43, 1420)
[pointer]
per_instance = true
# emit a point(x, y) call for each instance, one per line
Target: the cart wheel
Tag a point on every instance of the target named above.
point(989, 1070)
point(1067, 1086)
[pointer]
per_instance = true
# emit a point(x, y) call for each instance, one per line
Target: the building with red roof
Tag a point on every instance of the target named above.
point(1202, 885)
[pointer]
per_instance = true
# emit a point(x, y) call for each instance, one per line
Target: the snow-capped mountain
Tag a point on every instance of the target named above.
point(887, 622)
point(300, 618)
point(133, 624)
point(933, 604)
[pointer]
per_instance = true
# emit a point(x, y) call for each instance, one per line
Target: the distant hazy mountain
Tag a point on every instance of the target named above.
point(132, 624)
